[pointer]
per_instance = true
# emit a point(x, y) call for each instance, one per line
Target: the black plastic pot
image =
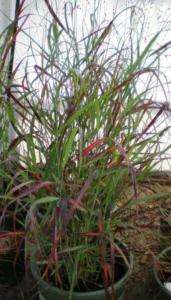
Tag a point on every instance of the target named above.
point(10, 274)
point(12, 248)
point(165, 294)
point(12, 269)
point(50, 292)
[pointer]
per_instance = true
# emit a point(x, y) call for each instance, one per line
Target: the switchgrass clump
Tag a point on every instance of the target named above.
point(88, 125)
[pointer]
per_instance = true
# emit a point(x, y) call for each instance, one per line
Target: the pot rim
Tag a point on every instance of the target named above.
point(46, 285)
point(161, 254)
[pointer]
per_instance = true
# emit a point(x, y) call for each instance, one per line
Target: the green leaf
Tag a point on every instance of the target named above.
point(132, 68)
point(10, 112)
point(43, 200)
point(68, 147)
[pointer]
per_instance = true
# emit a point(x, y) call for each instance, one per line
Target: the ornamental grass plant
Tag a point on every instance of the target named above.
point(86, 129)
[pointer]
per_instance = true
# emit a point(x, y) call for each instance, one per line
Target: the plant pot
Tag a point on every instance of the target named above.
point(50, 292)
point(165, 294)
point(12, 269)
